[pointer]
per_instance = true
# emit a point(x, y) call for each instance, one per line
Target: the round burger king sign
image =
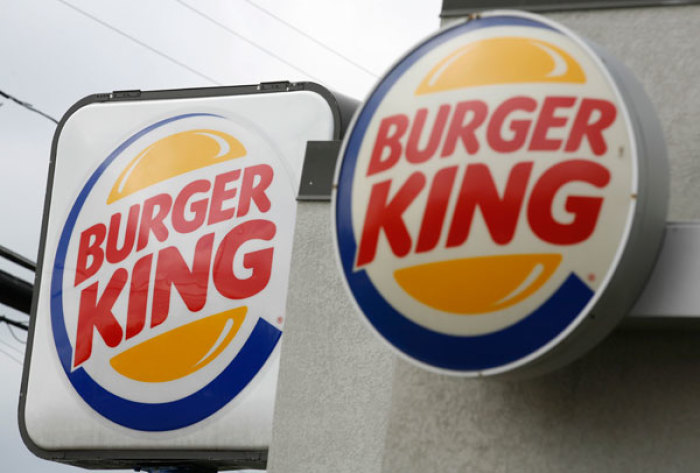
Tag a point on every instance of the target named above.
point(169, 278)
point(500, 198)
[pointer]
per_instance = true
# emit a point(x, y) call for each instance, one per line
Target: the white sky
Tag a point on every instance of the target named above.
point(53, 55)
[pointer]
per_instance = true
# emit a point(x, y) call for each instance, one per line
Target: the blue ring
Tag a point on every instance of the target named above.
point(154, 417)
point(449, 352)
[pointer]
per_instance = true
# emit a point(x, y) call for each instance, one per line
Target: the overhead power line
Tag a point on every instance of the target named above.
point(311, 38)
point(16, 258)
point(14, 323)
point(12, 347)
point(139, 42)
point(14, 352)
point(10, 356)
point(14, 335)
point(28, 106)
point(15, 292)
point(247, 40)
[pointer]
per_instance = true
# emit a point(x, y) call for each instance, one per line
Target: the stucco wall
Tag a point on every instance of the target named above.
point(632, 404)
point(334, 388)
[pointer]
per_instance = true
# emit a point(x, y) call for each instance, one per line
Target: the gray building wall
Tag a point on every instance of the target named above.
point(334, 388)
point(346, 403)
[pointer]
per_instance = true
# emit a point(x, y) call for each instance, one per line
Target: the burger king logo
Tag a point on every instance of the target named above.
point(170, 274)
point(485, 194)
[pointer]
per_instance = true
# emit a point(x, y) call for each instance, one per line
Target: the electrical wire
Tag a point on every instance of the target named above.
point(16, 258)
point(14, 335)
point(10, 322)
point(11, 357)
point(28, 106)
point(14, 323)
point(311, 38)
point(247, 40)
point(139, 42)
point(13, 348)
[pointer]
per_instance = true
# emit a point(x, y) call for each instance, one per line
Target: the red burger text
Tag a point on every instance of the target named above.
point(200, 204)
point(469, 127)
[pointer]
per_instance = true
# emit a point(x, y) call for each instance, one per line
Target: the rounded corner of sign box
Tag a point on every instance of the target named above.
point(341, 106)
point(77, 106)
point(27, 429)
point(318, 89)
point(32, 444)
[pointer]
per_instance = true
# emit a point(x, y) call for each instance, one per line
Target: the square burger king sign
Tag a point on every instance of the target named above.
point(501, 197)
point(164, 267)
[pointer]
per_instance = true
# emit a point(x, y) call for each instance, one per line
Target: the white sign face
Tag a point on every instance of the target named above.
point(164, 278)
point(486, 193)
